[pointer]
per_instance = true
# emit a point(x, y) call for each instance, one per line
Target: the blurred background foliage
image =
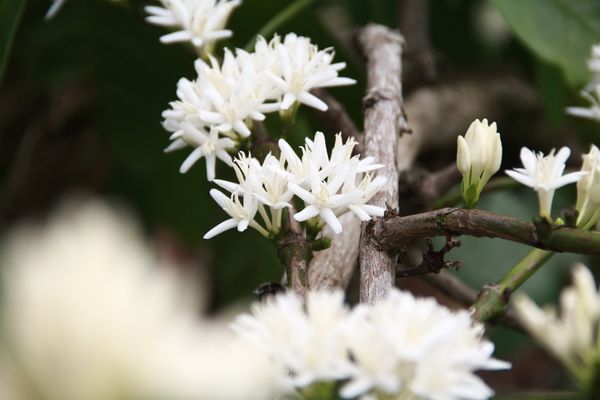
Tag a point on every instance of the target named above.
point(82, 96)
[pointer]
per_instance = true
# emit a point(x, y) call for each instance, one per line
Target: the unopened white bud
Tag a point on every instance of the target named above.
point(478, 157)
point(588, 190)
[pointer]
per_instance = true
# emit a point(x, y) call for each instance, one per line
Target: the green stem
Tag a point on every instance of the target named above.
point(493, 299)
point(524, 269)
point(278, 20)
point(11, 13)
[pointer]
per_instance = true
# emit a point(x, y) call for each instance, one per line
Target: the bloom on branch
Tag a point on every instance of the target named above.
point(478, 157)
point(200, 22)
point(572, 335)
point(302, 67)
point(328, 184)
point(207, 145)
point(401, 346)
point(588, 190)
point(305, 344)
point(544, 174)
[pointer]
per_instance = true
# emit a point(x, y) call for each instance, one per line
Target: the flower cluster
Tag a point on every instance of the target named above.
point(573, 336)
point(90, 313)
point(545, 174)
point(399, 346)
point(200, 22)
point(329, 185)
point(226, 97)
point(479, 155)
point(591, 92)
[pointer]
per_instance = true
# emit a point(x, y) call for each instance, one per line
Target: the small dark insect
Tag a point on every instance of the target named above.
point(268, 289)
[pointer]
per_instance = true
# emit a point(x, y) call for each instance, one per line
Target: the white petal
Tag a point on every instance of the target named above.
point(329, 217)
point(222, 227)
point(308, 213)
point(191, 160)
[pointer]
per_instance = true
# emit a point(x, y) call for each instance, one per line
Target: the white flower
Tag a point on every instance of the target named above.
point(236, 91)
point(306, 343)
point(544, 175)
point(415, 347)
point(302, 67)
point(242, 213)
point(207, 145)
point(200, 22)
point(588, 190)
point(591, 112)
point(90, 313)
point(327, 185)
point(572, 336)
point(478, 157)
point(54, 8)
point(266, 182)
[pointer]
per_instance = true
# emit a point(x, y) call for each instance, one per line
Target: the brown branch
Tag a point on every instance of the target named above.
point(396, 233)
point(384, 123)
point(295, 253)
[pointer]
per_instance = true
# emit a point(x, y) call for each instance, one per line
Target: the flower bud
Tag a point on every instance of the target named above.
point(588, 190)
point(478, 157)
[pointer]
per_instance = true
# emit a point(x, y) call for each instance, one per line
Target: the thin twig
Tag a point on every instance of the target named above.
point(295, 253)
point(384, 123)
point(395, 233)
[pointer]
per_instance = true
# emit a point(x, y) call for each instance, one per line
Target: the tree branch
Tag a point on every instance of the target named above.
point(295, 253)
point(395, 233)
point(384, 123)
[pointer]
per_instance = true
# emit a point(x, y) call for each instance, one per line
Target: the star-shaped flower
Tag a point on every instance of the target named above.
point(544, 175)
point(207, 145)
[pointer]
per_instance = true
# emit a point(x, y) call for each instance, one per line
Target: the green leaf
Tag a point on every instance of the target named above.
point(11, 12)
point(560, 32)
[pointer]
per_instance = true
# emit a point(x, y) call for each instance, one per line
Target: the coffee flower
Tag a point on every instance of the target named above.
point(401, 347)
point(302, 67)
point(304, 342)
point(571, 335)
point(415, 347)
point(588, 190)
point(544, 174)
point(593, 110)
point(478, 157)
point(200, 22)
point(327, 184)
point(207, 145)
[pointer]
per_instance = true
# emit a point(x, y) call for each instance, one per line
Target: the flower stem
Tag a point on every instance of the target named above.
point(278, 20)
point(493, 299)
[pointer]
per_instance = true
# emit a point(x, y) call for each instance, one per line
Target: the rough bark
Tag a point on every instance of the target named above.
point(384, 123)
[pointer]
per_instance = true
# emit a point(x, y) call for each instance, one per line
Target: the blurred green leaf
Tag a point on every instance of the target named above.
point(560, 32)
point(11, 12)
